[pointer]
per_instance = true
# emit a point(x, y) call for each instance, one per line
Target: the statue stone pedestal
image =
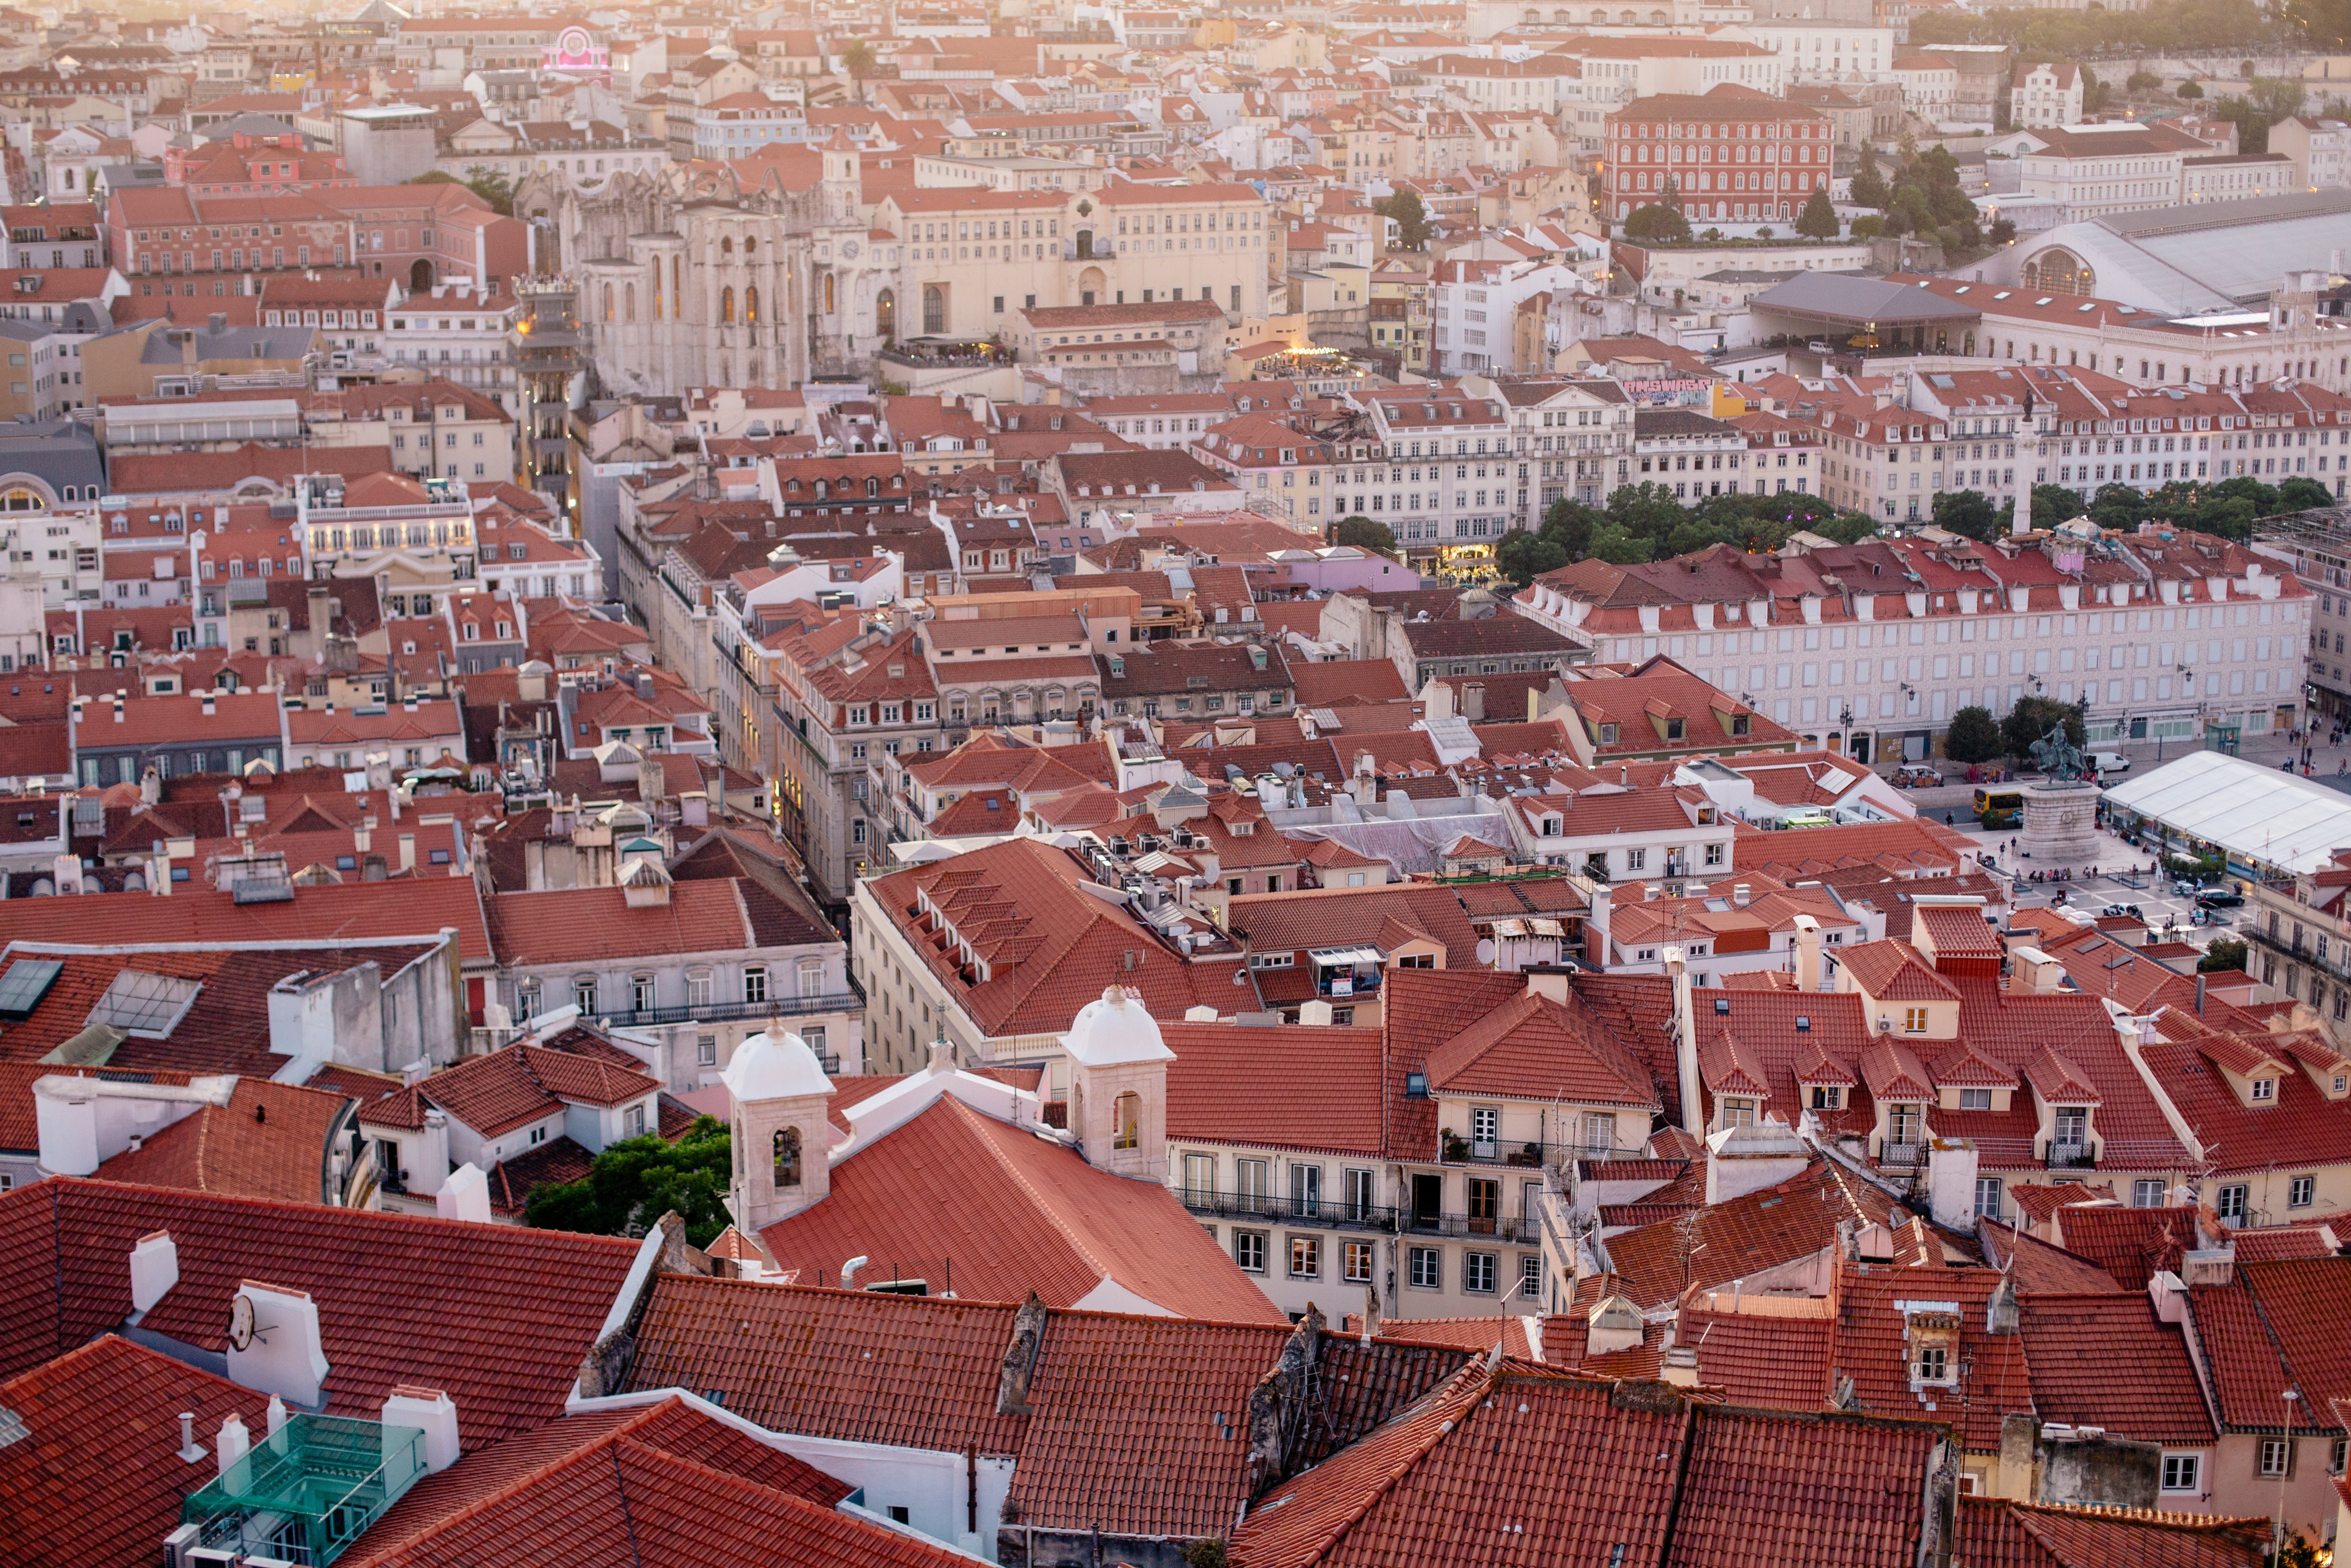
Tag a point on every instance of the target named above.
point(2061, 825)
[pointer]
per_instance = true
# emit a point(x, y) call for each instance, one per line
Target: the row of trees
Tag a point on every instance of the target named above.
point(1646, 522)
point(1661, 222)
point(2229, 509)
point(1923, 198)
point(2224, 27)
point(1975, 736)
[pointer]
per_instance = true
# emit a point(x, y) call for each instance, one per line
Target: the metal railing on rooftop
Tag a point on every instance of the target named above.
point(308, 1491)
point(851, 1001)
point(1307, 1211)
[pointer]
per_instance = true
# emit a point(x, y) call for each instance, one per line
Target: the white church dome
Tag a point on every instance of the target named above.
point(775, 1066)
point(1113, 1031)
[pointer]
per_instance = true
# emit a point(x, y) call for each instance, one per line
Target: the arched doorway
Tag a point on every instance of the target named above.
point(885, 314)
point(420, 276)
point(1090, 284)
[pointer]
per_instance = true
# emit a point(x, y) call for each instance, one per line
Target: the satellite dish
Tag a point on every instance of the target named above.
point(240, 1323)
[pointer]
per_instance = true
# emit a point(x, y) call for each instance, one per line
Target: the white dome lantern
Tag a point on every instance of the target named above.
point(775, 1066)
point(1115, 1031)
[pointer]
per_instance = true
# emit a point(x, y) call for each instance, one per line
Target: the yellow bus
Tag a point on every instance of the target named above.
point(1999, 809)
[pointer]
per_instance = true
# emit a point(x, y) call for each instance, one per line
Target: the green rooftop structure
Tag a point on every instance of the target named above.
point(309, 1489)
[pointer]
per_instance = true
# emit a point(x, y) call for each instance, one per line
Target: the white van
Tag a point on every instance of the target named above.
point(2109, 762)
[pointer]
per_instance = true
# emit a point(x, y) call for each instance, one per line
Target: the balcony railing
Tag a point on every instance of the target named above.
point(1903, 1155)
point(2073, 1157)
point(1534, 1154)
point(851, 1000)
point(1306, 1211)
point(1500, 1227)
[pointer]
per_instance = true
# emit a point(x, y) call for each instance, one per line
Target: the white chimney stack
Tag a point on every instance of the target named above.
point(435, 1413)
point(275, 1345)
point(154, 1270)
point(464, 1195)
point(235, 1442)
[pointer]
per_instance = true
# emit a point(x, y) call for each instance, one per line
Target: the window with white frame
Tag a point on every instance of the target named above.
point(755, 983)
point(1305, 1258)
point(1248, 1250)
point(1428, 1266)
point(1478, 1273)
point(2182, 1471)
point(2300, 1191)
point(2276, 1456)
point(2147, 1193)
point(1359, 1258)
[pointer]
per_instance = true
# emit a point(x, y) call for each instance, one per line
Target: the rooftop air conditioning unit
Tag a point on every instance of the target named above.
point(1886, 1026)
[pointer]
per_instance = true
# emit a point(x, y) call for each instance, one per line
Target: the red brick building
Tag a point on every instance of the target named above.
point(1733, 156)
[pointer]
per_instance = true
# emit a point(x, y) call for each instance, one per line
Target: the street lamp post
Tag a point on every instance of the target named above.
point(2285, 1469)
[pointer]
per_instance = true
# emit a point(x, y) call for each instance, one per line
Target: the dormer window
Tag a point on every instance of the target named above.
point(2264, 1091)
point(1914, 1021)
point(1975, 1099)
point(1607, 735)
point(1738, 1112)
point(1828, 1097)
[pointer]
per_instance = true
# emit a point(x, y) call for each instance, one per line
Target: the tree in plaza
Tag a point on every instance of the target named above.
point(1974, 737)
point(1611, 543)
point(2300, 494)
point(2225, 953)
point(1363, 533)
point(1413, 227)
point(1657, 222)
point(637, 1180)
point(2054, 504)
point(1967, 512)
point(1522, 557)
point(1819, 219)
point(2032, 717)
point(857, 57)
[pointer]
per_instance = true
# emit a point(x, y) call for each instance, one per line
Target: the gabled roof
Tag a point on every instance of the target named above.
point(1533, 1048)
point(2003, 1532)
point(1894, 971)
point(1133, 1425)
point(2106, 1360)
point(1630, 1472)
point(389, 1287)
point(1008, 1213)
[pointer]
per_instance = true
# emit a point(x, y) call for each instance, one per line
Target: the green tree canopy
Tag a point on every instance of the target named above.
point(487, 183)
point(2226, 953)
point(1611, 543)
point(1363, 533)
point(1413, 227)
point(1974, 737)
point(1522, 557)
point(1658, 224)
point(1968, 512)
point(2054, 504)
point(2032, 717)
point(1819, 219)
point(636, 1181)
point(857, 57)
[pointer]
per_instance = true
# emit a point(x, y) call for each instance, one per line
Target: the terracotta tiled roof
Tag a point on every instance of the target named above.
point(2277, 1325)
point(1870, 1347)
point(1893, 971)
point(676, 1492)
point(353, 911)
point(271, 1140)
point(1536, 1049)
point(1764, 1230)
point(2039, 1268)
point(1780, 1363)
point(2108, 1361)
point(584, 924)
point(1010, 1213)
point(2000, 1532)
point(1669, 1481)
point(1122, 1431)
point(498, 1093)
point(388, 1289)
point(2128, 1243)
point(1232, 1084)
point(99, 1482)
point(502, 1486)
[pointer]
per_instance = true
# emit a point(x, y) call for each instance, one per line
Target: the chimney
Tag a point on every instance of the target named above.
point(1371, 1315)
point(1314, 1013)
point(154, 1270)
point(2034, 973)
point(1740, 893)
point(235, 1442)
point(408, 851)
point(466, 1195)
point(217, 320)
point(1679, 1369)
point(2169, 1296)
point(191, 1451)
point(284, 1351)
point(1019, 1363)
point(1685, 1040)
point(432, 1410)
point(2200, 993)
point(1473, 702)
point(1808, 954)
point(1999, 1312)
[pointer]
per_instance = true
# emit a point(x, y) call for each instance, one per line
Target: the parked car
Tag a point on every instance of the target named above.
point(1817, 347)
point(2220, 898)
point(2130, 909)
point(2110, 762)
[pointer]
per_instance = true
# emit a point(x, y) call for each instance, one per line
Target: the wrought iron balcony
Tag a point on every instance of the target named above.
point(1903, 1155)
point(2073, 1157)
point(1499, 1227)
point(308, 1491)
point(1290, 1210)
point(851, 1000)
